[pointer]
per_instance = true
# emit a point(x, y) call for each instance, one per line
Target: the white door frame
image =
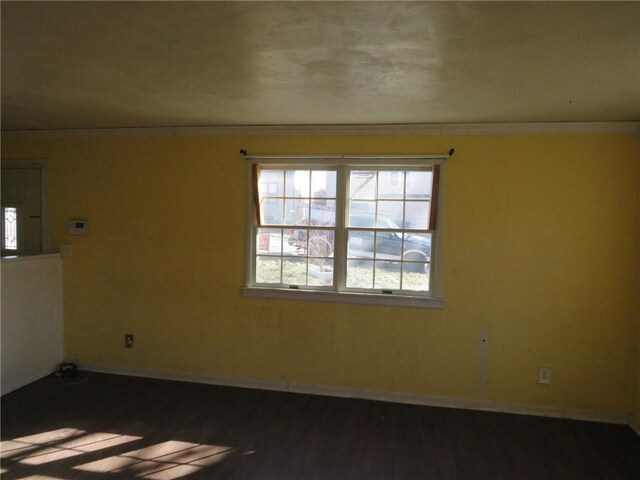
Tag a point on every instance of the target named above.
point(41, 163)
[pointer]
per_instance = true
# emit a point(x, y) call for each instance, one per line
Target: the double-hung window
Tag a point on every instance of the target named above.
point(352, 229)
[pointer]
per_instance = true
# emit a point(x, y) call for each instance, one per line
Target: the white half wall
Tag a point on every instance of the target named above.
point(32, 332)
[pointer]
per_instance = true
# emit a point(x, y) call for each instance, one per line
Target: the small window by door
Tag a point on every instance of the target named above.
point(10, 228)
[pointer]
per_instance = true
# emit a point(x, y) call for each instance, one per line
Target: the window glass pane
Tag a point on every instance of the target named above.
point(415, 276)
point(295, 242)
point(10, 220)
point(417, 215)
point(380, 202)
point(323, 212)
point(389, 214)
point(321, 243)
point(271, 183)
point(390, 184)
point(294, 271)
point(296, 211)
point(419, 185)
point(269, 241)
point(320, 271)
point(360, 244)
point(388, 275)
point(272, 211)
point(359, 274)
point(268, 269)
point(388, 245)
point(323, 183)
point(362, 214)
point(362, 185)
point(297, 183)
point(417, 247)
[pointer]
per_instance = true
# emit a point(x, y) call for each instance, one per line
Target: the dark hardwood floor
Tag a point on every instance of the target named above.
point(114, 427)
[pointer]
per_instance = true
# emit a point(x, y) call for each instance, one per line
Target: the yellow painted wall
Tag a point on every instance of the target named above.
point(540, 250)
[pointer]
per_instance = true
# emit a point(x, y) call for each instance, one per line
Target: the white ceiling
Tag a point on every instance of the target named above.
point(154, 64)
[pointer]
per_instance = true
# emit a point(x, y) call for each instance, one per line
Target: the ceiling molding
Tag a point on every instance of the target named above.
point(340, 130)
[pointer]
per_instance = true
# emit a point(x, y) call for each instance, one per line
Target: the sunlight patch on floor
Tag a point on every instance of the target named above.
point(78, 446)
point(163, 461)
point(40, 477)
point(59, 444)
point(11, 449)
point(52, 436)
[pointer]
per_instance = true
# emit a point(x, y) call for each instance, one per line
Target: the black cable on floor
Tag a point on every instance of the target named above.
point(72, 379)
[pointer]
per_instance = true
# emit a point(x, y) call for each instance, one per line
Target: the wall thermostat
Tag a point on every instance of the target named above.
point(77, 227)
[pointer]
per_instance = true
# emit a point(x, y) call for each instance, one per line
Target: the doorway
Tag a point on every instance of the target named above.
point(22, 209)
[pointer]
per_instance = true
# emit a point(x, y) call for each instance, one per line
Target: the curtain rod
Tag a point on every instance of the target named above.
point(350, 157)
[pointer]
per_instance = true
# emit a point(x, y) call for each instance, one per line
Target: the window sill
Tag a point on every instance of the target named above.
point(344, 297)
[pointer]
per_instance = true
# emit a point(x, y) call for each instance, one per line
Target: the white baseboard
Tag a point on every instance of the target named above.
point(395, 397)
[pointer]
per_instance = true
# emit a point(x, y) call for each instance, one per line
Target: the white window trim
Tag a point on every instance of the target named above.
point(344, 297)
point(319, 294)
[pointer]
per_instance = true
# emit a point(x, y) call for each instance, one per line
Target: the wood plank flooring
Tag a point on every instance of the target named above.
point(117, 427)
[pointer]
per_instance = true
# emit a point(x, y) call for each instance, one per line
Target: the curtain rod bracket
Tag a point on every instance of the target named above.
point(243, 152)
point(451, 152)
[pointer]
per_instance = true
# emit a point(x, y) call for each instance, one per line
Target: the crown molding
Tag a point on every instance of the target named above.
point(339, 130)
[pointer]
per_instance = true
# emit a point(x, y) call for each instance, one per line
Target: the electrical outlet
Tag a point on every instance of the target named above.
point(128, 340)
point(544, 375)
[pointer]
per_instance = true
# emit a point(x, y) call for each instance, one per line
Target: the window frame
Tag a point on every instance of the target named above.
point(338, 292)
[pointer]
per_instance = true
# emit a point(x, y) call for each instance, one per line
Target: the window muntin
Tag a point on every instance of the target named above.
point(380, 244)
